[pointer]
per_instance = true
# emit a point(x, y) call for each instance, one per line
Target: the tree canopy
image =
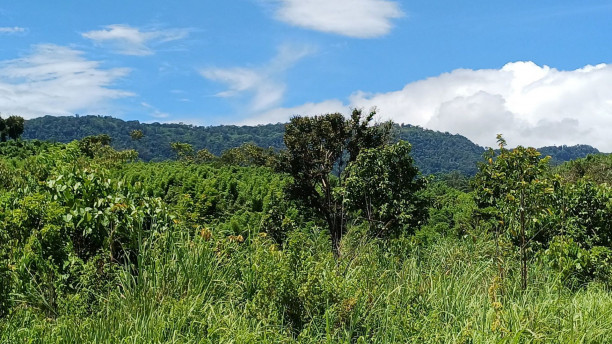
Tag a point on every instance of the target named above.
point(12, 127)
point(320, 145)
point(383, 186)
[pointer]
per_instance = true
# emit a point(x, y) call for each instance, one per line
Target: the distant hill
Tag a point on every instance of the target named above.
point(155, 145)
point(433, 151)
point(437, 152)
point(561, 154)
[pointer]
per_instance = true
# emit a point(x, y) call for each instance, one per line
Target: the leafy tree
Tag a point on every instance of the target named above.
point(250, 154)
point(363, 135)
point(182, 150)
point(14, 127)
point(318, 145)
point(91, 144)
point(136, 134)
point(383, 185)
point(515, 186)
point(204, 155)
point(582, 213)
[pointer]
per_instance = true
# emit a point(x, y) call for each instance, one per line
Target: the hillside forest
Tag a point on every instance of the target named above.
point(326, 231)
point(434, 152)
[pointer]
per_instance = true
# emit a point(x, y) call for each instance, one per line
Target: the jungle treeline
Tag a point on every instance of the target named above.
point(434, 152)
point(334, 234)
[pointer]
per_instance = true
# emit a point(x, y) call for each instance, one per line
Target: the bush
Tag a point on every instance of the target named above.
point(576, 265)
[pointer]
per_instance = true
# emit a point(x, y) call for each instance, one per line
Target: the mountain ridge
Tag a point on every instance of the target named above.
point(433, 151)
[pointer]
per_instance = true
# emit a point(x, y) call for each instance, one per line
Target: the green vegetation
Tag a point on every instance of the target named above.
point(596, 168)
point(384, 187)
point(11, 128)
point(98, 246)
point(436, 152)
point(318, 145)
point(433, 152)
point(154, 143)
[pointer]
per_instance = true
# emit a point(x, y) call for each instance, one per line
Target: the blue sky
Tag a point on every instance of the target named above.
point(537, 71)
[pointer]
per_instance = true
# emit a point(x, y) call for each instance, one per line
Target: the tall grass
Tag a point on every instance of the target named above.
point(187, 289)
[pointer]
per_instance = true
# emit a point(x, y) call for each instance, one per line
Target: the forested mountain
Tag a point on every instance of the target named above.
point(433, 151)
point(437, 152)
point(155, 144)
point(560, 154)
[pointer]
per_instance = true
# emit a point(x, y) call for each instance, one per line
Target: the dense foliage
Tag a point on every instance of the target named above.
point(433, 152)
point(596, 168)
point(154, 143)
point(318, 145)
point(97, 246)
point(11, 128)
point(534, 209)
point(383, 187)
point(560, 154)
point(436, 152)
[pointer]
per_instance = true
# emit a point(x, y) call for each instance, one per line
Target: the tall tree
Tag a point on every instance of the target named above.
point(515, 186)
point(14, 127)
point(184, 151)
point(383, 186)
point(318, 145)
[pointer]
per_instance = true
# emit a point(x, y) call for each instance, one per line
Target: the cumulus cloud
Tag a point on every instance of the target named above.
point(127, 40)
point(281, 115)
point(263, 85)
point(56, 80)
point(478, 115)
point(353, 18)
point(12, 30)
point(530, 104)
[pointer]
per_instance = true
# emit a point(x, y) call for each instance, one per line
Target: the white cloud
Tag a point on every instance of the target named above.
point(56, 80)
point(353, 18)
point(12, 30)
point(263, 85)
point(282, 115)
point(154, 111)
point(128, 40)
point(529, 104)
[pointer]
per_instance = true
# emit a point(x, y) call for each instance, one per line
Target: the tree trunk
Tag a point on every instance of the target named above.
point(523, 243)
point(336, 230)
